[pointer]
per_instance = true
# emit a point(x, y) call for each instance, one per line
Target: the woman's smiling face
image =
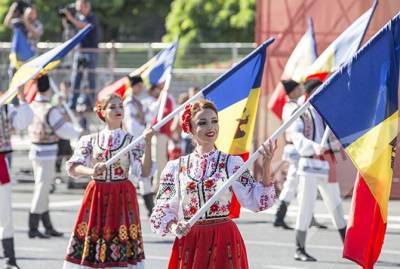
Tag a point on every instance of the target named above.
point(205, 127)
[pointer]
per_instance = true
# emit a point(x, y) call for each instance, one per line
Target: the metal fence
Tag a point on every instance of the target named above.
point(197, 65)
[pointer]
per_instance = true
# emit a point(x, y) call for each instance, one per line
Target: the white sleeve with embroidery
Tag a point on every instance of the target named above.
point(250, 193)
point(136, 166)
point(62, 128)
point(167, 201)
point(21, 116)
point(82, 154)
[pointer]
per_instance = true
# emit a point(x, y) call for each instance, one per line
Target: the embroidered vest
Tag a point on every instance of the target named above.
point(309, 124)
point(119, 170)
point(5, 128)
point(40, 131)
point(196, 192)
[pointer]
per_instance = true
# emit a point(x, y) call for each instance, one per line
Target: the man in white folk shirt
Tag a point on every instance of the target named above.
point(47, 127)
point(314, 172)
point(18, 118)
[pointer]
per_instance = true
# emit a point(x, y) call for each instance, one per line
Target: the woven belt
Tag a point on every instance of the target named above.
point(211, 221)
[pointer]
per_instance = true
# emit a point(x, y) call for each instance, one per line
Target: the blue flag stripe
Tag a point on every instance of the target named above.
point(236, 84)
point(363, 93)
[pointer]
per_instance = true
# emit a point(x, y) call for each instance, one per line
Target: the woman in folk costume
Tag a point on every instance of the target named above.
point(107, 233)
point(188, 182)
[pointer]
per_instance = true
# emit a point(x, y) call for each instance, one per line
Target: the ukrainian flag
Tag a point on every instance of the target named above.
point(343, 48)
point(21, 49)
point(42, 64)
point(236, 95)
point(360, 105)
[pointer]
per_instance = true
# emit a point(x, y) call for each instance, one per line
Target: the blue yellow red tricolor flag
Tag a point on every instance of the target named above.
point(303, 55)
point(343, 47)
point(42, 64)
point(153, 72)
point(236, 94)
point(21, 49)
point(366, 90)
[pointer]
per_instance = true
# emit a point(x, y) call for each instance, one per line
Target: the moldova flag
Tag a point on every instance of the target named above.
point(153, 72)
point(21, 49)
point(303, 55)
point(236, 94)
point(42, 64)
point(343, 48)
point(360, 105)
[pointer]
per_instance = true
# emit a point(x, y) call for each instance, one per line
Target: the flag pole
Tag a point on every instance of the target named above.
point(71, 115)
point(198, 95)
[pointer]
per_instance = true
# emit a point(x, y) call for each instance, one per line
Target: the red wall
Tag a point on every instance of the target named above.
point(286, 21)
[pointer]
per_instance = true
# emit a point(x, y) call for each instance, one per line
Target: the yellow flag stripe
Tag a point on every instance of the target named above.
point(372, 155)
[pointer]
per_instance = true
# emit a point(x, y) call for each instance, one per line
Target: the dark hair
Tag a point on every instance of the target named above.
point(135, 80)
point(289, 85)
point(43, 83)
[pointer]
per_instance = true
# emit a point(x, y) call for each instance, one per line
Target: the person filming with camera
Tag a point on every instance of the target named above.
point(87, 56)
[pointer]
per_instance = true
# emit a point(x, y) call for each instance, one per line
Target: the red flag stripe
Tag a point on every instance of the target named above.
point(366, 228)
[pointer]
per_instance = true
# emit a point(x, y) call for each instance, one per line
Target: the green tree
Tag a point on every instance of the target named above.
point(197, 21)
point(119, 20)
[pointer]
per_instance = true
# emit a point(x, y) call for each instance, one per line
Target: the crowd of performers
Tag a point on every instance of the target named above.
point(107, 232)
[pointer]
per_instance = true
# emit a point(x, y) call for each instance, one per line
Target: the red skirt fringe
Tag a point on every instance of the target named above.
point(107, 232)
point(210, 246)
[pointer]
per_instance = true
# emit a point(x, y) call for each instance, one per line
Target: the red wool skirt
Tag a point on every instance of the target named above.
point(212, 245)
point(107, 231)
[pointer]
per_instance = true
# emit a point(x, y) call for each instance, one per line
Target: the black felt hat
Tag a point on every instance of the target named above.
point(43, 83)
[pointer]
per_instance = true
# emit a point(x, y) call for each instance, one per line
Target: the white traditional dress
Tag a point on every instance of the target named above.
point(186, 184)
point(107, 232)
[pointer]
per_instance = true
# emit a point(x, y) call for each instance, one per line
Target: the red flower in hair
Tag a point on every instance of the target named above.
point(186, 117)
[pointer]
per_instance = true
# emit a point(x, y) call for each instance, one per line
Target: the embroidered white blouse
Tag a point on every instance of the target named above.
point(187, 183)
point(99, 147)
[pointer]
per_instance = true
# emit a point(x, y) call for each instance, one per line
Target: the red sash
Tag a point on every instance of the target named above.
point(4, 176)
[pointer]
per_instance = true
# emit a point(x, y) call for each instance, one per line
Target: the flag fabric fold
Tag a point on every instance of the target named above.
point(343, 47)
point(303, 55)
point(21, 49)
point(153, 72)
point(366, 90)
point(42, 64)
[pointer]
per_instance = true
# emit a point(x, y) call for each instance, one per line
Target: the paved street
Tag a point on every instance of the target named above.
point(267, 247)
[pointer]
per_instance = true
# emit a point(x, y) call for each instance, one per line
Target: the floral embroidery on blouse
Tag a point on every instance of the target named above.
point(190, 181)
point(92, 149)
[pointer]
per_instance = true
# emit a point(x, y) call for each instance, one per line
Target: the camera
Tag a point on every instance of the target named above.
point(70, 7)
point(21, 6)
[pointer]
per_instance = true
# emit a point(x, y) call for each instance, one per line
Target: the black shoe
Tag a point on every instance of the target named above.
point(38, 234)
point(315, 223)
point(301, 255)
point(52, 232)
point(282, 223)
point(11, 265)
point(9, 253)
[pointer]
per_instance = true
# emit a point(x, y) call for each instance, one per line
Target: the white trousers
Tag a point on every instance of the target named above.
point(160, 154)
point(290, 186)
point(44, 171)
point(330, 193)
point(6, 223)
